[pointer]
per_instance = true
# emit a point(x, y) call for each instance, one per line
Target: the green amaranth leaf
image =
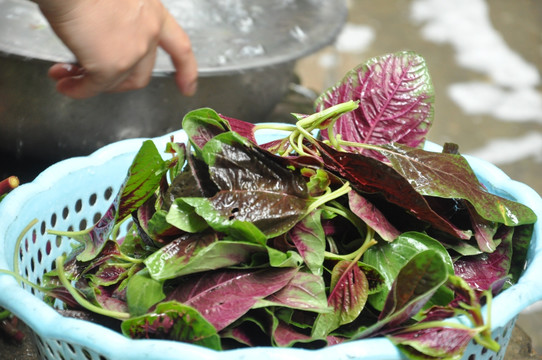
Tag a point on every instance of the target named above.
point(413, 287)
point(184, 217)
point(194, 253)
point(143, 178)
point(142, 292)
point(201, 125)
point(174, 321)
point(389, 259)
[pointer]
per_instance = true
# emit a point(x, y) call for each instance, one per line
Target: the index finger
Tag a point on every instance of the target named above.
point(176, 43)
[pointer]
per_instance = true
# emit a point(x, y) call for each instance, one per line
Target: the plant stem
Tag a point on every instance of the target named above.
point(279, 127)
point(25, 280)
point(82, 301)
point(355, 255)
point(18, 245)
point(8, 184)
point(343, 190)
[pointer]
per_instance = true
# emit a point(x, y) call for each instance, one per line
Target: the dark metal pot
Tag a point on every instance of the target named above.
point(244, 73)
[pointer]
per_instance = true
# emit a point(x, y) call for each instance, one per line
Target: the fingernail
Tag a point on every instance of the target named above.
point(190, 89)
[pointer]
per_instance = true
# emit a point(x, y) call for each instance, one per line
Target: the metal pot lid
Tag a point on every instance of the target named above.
point(227, 35)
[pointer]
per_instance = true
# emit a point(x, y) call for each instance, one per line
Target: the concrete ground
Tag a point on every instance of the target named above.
point(485, 58)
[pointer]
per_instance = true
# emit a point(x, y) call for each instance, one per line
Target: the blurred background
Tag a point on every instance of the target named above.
point(485, 58)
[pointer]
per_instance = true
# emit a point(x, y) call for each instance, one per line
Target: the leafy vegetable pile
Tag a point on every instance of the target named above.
point(344, 229)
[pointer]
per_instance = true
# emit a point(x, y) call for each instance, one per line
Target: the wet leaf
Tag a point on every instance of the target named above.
point(389, 259)
point(371, 176)
point(437, 342)
point(450, 176)
point(396, 101)
point(195, 253)
point(349, 291)
point(373, 217)
point(224, 296)
point(173, 321)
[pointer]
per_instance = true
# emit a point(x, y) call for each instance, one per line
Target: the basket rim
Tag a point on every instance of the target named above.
point(50, 324)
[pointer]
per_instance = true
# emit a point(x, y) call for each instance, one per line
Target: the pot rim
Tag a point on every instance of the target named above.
point(25, 25)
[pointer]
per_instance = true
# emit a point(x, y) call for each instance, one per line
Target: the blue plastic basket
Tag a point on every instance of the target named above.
point(73, 194)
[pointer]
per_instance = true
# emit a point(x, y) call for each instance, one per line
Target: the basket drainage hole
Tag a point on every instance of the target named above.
point(53, 220)
point(92, 199)
point(48, 247)
point(108, 193)
point(65, 213)
point(78, 205)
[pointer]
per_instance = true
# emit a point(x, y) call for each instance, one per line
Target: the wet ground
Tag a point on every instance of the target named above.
point(485, 59)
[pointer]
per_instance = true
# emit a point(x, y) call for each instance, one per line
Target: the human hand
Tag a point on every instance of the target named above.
point(115, 43)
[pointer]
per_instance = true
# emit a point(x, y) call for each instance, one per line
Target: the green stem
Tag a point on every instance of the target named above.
point(71, 234)
point(355, 255)
point(18, 245)
point(279, 127)
point(437, 324)
point(343, 190)
point(484, 338)
point(82, 301)
point(25, 280)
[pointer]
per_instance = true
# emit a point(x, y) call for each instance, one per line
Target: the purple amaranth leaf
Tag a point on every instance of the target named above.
point(435, 342)
point(144, 176)
point(109, 274)
point(372, 176)
point(224, 296)
point(255, 188)
point(396, 101)
point(349, 292)
point(243, 128)
point(305, 291)
point(450, 176)
point(367, 212)
point(95, 237)
point(481, 271)
point(108, 301)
